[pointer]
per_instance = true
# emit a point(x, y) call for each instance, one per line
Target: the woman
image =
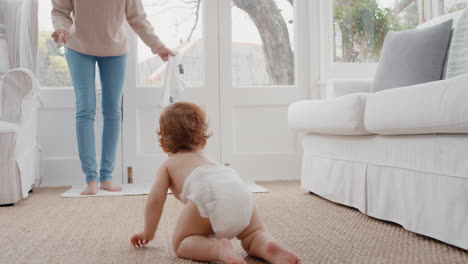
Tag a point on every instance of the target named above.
point(93, 35)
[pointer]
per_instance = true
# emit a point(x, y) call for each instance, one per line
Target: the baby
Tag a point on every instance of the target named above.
point(218, 204)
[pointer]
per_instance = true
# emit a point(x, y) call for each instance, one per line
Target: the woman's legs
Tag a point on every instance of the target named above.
point(82, 71)
point(112, 71)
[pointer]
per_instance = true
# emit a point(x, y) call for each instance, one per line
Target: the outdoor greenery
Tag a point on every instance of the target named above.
point(456, 7)
point(364, 24)
point(53, 70)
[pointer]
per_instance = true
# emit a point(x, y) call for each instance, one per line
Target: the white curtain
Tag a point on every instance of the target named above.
point(20, 18)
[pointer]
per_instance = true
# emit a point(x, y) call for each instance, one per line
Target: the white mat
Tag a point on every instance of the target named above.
point(134, 189)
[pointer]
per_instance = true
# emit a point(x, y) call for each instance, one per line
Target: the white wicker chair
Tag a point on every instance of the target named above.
point(18, 135)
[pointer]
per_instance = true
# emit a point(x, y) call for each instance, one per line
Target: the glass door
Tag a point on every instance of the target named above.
point(245, 63)
point(264, 56)
point(191, 28)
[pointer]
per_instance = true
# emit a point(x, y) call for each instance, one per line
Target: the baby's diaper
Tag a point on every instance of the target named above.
point(221, 196)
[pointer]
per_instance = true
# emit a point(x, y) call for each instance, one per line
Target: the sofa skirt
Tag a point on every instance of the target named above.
point(427, 203)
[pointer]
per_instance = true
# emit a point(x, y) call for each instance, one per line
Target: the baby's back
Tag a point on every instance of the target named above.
point(181, 165)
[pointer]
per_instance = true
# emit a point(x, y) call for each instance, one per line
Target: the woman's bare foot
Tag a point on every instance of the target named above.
point(226, 253)
point(279, 255)
point(109, 186)
point(91, 189)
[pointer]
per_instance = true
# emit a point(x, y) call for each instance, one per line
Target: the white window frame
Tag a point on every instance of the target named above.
point(341, 70)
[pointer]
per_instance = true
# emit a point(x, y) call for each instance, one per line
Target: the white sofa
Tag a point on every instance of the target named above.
point(399, 155)
point(19, 104)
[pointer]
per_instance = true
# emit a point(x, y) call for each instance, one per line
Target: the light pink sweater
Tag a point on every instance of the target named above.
point(96, 27)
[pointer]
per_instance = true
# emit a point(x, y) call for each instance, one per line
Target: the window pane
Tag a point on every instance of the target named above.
point(262, 42)
point(360, 26)
point(450, 6)
point(179, 25)
point(53, 69)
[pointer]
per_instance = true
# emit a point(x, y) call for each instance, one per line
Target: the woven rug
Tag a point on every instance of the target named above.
point(47, 229)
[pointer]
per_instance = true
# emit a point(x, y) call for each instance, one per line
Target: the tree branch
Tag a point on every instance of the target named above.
point(402, 5)
point(279, 57)
point(195, 23)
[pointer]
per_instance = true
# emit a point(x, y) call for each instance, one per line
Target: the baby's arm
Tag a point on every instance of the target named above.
point(154, 207)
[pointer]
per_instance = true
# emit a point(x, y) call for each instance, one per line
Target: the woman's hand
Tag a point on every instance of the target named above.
point(164, 53)
point(60, 36)
point(140, 240)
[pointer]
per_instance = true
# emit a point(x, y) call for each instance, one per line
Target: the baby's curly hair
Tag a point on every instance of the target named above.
point(182, 127)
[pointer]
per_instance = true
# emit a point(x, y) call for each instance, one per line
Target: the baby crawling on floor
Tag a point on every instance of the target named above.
point(218, 204)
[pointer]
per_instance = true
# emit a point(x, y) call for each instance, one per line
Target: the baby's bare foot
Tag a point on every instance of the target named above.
point(109, 186)
point(279, 255)
point(227, 254)
point(91, 189)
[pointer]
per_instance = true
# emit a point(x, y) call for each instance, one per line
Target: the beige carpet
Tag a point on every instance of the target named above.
point(47, 229)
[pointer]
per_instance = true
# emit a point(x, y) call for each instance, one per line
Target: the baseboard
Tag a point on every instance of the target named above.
point(67, 172)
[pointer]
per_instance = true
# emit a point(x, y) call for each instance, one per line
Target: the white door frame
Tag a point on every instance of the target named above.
point(262, 164)
point(64, 169)
point(138, 99)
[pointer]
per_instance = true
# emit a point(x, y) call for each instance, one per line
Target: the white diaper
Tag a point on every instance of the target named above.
point(221, 196)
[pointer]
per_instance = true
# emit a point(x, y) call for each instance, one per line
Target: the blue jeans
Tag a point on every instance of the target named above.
point(112, 72)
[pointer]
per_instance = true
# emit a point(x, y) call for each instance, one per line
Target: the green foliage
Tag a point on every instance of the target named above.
point(364, 25)
point(454, 7)
point(409, 17)
point(457, 7)
point(53, 69)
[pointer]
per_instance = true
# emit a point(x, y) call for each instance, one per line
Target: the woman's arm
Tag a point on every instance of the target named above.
point(61, 10)
point(136, 17)
point(154, 207)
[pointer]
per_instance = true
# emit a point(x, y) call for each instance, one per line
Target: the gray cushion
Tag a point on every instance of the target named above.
point(413, 56)
point(437, 20)
point(457, 63)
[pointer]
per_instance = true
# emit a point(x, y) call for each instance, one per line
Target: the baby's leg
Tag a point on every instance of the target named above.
point(191, 239)
point(260, 243)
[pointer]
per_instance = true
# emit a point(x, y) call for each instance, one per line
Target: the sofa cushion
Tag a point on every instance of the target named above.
point(413, 56)
point(455, 16)
point(340, 116)
point(435, 107)
point(339, 87)
point(457, 63)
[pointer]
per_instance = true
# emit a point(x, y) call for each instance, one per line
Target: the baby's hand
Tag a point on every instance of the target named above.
point(140, 240)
